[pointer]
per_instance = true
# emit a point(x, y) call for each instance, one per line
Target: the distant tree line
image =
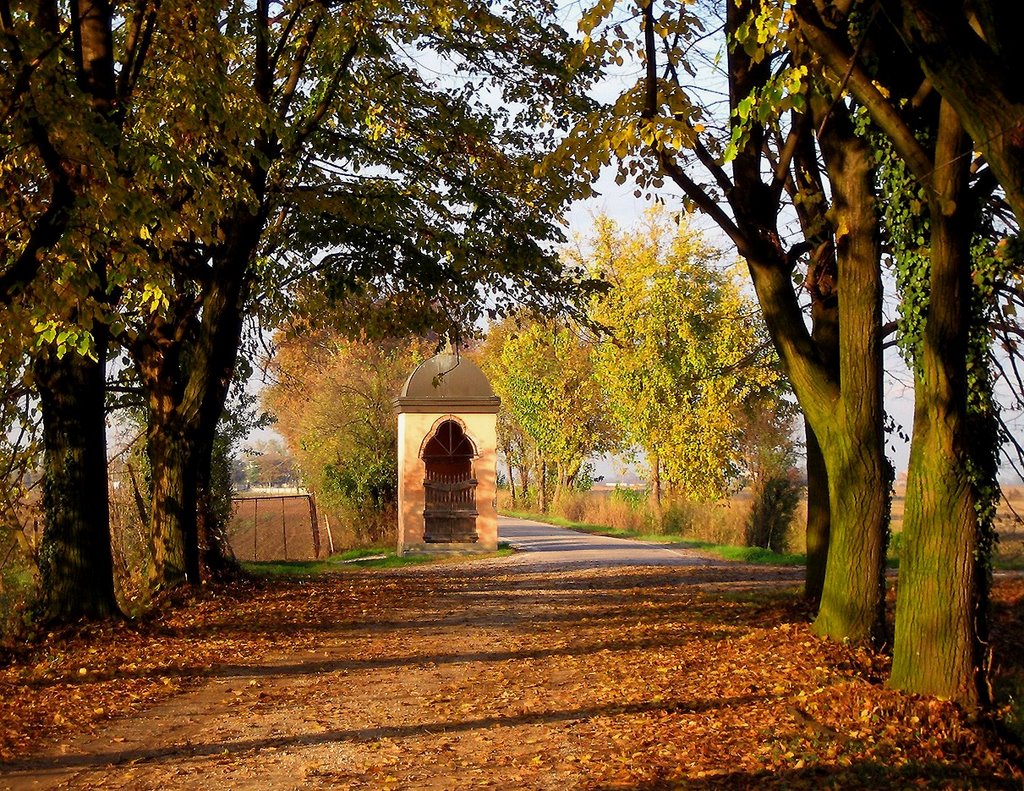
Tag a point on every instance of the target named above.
point(265, 464)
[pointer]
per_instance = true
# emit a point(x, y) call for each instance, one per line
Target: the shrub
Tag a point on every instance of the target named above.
point(633, 498)
point(895, 545)
point(17, 582)
point(775, 503)
point(363, 527)
point(621, 509)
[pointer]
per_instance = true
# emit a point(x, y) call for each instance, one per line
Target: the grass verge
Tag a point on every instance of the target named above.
point(756, 555)
point(357, 559)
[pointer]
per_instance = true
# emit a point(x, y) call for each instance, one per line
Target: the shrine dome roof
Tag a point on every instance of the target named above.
point(447, 377)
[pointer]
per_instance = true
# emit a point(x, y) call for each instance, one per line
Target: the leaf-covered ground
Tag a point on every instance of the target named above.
point(487, 675)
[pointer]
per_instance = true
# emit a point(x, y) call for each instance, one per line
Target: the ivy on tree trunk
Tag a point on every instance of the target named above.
point(941, 608)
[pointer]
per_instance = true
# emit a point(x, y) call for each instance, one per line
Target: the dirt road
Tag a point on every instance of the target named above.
point(581, 662)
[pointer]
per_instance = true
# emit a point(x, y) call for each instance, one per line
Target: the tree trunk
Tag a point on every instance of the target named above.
point(979, 78)
point(216, 561)
point(512, 482)
point(187, 374)
point(819, 517)
point(821, 283)
point(524, 480)
point(214, 358)
point(655, 498)
point(849, 428)
point(170, 528)
point(559, 483)
point(853, 444)
point(187, 542)
point(158, 356)
point(843, 407)
point(75, 562)
point(852, 606)
point(941, 609)
point(847, 420)
point(542, 488)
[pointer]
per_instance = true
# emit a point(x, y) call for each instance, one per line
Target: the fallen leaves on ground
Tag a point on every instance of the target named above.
point(602, 678)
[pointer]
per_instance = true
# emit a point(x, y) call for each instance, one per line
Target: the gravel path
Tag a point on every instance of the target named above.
point(494, 673)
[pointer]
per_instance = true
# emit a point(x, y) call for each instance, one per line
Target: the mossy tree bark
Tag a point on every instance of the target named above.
point(942, 595)
point(171, 537)
point(810, 202)
point(158, 355)
point(853, 442)
point(819, 518)
point(187, 366)
point(841, 400)
point(941, 611)
point(75, 563)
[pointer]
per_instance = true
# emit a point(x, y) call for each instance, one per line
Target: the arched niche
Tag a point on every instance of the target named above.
point(449, 508)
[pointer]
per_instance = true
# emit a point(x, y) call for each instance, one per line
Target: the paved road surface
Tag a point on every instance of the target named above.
point(549, 547)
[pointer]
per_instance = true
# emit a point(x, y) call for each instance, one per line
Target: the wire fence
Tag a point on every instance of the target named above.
point(278, 527)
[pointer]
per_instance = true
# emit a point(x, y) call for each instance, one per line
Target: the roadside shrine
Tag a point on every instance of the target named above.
point(447, 460)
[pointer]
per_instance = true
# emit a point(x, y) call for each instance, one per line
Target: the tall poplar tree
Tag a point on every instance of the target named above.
point(543, 371)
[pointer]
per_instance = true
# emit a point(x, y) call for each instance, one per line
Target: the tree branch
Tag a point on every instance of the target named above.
point(786, 154)
point(862, 87)
point(702, 199)
point(298, 66)
point(313, 121)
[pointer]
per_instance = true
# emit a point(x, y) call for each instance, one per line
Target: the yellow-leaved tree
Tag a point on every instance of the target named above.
point(331, 397)
point(543, 371)
point(685, 357)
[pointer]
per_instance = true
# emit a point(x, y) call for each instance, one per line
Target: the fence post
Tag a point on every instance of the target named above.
point(314, 525)
point(330, 537)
